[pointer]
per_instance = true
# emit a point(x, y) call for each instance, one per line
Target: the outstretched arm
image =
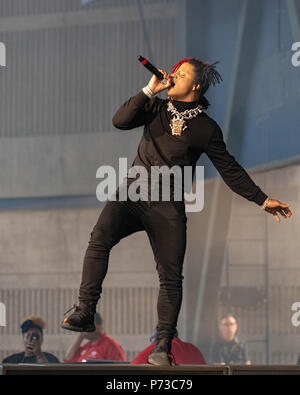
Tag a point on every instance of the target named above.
point(274, 207)
point(236, 177)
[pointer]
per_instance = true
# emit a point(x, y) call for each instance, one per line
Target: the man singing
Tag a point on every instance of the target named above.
point(176, 132)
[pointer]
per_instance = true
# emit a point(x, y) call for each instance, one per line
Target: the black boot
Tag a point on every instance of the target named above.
point(160, 355)
point(82, 319)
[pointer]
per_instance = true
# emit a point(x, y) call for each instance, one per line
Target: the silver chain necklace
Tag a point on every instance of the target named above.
point(178, 124)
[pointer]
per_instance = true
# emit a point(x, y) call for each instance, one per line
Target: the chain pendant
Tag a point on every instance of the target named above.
point(177, 127)
point(178, 124)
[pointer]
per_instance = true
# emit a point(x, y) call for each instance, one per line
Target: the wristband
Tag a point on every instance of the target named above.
point(148, 92)
point(265, 203)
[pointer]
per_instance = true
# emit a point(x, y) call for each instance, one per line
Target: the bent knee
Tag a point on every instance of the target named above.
point(103, 237)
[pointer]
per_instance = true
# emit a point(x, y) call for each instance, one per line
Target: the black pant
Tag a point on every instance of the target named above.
point(165, 224)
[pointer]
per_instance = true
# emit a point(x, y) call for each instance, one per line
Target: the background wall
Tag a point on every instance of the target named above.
point(257, 107)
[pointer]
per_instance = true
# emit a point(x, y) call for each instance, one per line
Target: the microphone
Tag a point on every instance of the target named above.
point(149, 66)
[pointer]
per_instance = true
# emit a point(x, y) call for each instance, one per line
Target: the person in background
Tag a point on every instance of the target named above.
point(99, 345)
point(183, 353)
point(32, 331)
point(228, 350)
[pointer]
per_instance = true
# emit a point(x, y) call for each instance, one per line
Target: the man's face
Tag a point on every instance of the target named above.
point(94, 335)
point(27, 336)
point(183, 79)
point(228, 328)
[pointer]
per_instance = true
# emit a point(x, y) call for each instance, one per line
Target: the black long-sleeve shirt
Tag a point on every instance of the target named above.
point(158, 147)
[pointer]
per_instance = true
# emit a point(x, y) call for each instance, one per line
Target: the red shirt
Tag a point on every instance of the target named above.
point(104, 348)
point(184, 353)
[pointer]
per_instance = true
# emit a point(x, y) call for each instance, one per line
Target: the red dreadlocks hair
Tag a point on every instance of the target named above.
point(205, 75)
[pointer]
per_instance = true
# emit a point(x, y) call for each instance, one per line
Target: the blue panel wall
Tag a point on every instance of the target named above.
point(270, 124)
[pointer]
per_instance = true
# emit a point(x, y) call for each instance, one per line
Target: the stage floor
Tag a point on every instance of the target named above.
point(146, 370)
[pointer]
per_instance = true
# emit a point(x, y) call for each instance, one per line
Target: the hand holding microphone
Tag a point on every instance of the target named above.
point(157, 86)
point(160, 80)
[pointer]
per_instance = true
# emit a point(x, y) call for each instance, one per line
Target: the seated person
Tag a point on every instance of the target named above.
point(182, 353)
point(32, 331)
point(98, 346)
point(228, 350)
